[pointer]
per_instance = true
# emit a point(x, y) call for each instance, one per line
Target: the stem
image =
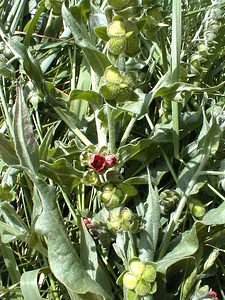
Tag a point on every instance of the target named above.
point(169, 165)
point(133, 250)
point(177, 214)
point(111, 128)
point(216, 192)
point(8, 119)
point(127, 131)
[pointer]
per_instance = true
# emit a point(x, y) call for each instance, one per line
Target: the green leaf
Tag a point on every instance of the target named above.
point(29, 286)
point(6, 193)
point(97, 60)
point(26, 146)
point(92, 97)
point(185, 249)
point(62, 173)
point(7, 152)
point(101, 32)
point(215, 216)
point(46, 142)
point(151, 223)
point(89, 259)
point(63, 259)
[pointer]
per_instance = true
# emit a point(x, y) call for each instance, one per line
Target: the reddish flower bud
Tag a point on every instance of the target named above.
point(110, 160)
point(97, 162)
point(213, 295)
point(86, 221)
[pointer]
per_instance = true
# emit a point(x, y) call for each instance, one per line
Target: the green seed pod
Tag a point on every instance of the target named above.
point(117, 46)
point(109, 91)
point(151, 27)
point(124, 93)
point(111, 196)
point(129, 78)
point(168, 201)
point(143, 288)
point(129, 11)
point(133, 46)
point(90, 178)
point(130, 281)
point(126, 214)
point(116, 29)
point(112, 75)
point(118, 4)
point(149, 273)
point(136, 266)
point(196, 208)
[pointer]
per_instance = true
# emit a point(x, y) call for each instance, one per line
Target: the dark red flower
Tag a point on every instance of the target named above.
point(213, 295)
point(111, 160)
point(86, 221)
point(97, 162)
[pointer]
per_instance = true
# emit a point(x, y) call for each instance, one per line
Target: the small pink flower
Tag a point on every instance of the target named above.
point(97, 162)
point(111, 160)
point(86, 221)
point(213, 295)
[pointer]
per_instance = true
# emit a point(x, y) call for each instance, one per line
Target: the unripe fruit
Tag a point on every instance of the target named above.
point(137, 267)
point(133, 46)
point(126, 214)
point(112, 75)
point(130, 281)
point(116, 29)
point(109, 91)
point(143, 288)
point(149, 273)
point(117, 46)
point(124, 93)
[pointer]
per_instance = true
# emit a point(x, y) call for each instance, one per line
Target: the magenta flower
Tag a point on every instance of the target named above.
point(110, 160)
point(97, 162)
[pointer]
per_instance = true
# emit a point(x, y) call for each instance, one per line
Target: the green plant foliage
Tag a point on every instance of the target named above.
point(112, 150)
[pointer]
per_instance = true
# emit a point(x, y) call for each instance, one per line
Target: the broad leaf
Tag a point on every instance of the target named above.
point(29, 286)
point(91, 97)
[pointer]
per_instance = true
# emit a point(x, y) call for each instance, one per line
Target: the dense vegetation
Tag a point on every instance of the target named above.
point(112, 149)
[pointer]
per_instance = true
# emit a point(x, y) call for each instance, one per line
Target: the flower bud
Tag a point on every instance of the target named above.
point(90, 178)
point(111, 196)
point(168, 201)
point(116, 29)
point(117, 45)
point(130, 281)
point(110, 160)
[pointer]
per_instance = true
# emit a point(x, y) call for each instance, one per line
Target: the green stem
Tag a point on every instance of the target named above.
point(169, 164)
point(111, 128)
point(6, 112)
point(216, 192)
point(174, 219)
point(127, 131)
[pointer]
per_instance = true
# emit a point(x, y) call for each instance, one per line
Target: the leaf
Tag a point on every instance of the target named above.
point(97, 60)
point(26, 146)
point(63, 259)
point(92, 97)
point(151, 223)
point(7, 152)
point(29, 287)
point(101, 32)
point(46, 142)
point(7, 193)
point(215, 216)
point(89, 259)
point(62, 173)
point(185, 249)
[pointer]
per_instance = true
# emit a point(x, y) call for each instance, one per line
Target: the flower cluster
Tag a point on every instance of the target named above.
point(117, 85)
point(140, 277)
point(123, 38)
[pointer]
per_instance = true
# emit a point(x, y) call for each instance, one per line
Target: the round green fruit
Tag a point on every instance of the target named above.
point(117, 46)
point(109, 91)
point(116, 29)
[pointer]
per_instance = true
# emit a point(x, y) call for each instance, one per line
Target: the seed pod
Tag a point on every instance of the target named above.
point(118, 4)
point(129, 78)
point(112, 75)
point(130, 281)
point(136, 266)
point(133, 46)
point(143, 288)
point(168, 201)
point(90, 178)
point(117, 46)
point(149, 273)
point(111, 196)
point(116, 29)
point(196, 208)
point(124, 93)
point(109, 91)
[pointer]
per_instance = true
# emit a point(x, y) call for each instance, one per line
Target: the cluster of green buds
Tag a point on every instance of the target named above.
point(198, 60)
point(98, 160)
point(140, 277)
point(122, 219)
point(196, 207)
point(124, 8)
point(112, 196)
point(123, 38)
point(168, 201)
point(117, 85)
